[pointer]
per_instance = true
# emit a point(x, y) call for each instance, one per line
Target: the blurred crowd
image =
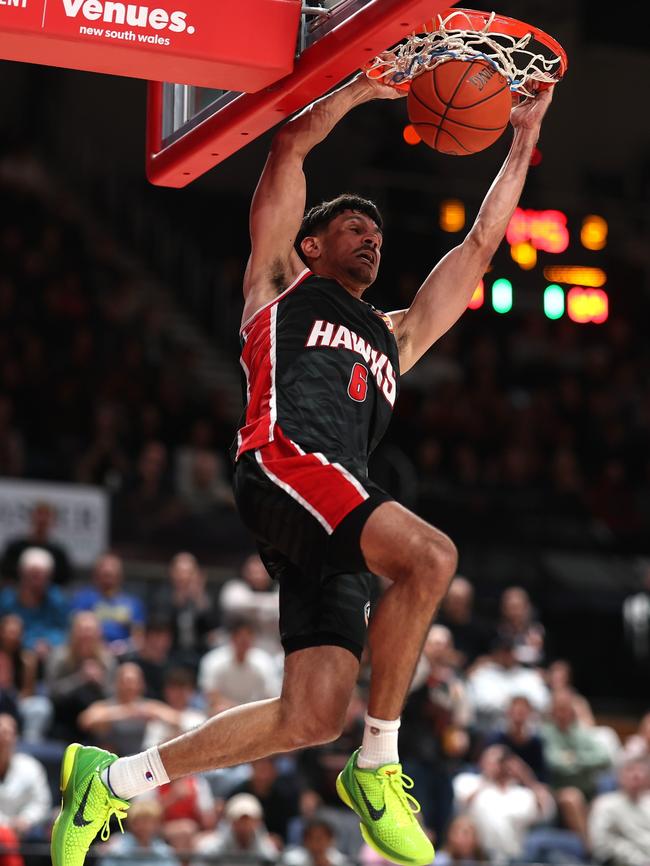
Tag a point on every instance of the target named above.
point(536, 425)
point(93, 386)
point(510, 764)
point(511, 422)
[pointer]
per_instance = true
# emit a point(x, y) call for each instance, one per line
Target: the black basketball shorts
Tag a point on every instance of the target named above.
point(307, 515)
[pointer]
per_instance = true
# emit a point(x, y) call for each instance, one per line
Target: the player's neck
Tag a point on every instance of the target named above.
point(338, 276)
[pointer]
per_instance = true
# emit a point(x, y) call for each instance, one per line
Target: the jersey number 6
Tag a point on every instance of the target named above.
point(358, 387)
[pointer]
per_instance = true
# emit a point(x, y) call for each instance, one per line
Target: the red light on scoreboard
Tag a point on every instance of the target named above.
point(545, 229)
point(587, 305)
point(478, 297)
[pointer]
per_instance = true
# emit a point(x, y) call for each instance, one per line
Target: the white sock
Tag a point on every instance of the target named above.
point(379, 744)
point(128, 777)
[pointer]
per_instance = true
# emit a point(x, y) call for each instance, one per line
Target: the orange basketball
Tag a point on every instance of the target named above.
point(460, 106)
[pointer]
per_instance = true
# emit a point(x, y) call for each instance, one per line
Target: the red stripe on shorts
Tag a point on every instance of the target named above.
point(327, 490)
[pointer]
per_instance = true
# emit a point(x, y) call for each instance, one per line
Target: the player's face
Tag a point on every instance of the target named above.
point(353, 241)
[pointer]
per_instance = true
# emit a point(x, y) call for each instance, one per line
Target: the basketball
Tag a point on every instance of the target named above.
point(459, 107)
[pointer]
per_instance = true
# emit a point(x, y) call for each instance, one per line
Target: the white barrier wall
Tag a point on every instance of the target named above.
point(83, 517)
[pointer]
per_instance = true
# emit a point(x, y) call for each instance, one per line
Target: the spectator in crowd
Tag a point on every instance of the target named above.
point(189, 608)
point(638, 745)
point(255, 597)
point(201, 484)
point(120, 614)
point(574, 758)
point(471, 636)
point(190, 799)
point(78, 674)
point(521, 738)
point(42, 608)
point(147, 510)
point(184, 839)
point(462, 845)
point(105, 461)
point(142, 843)
point(504, 801)
point(636, 628)
point(25, 799)
point(18, 695)
point(177, 693)
point(559, 677)
point(239, 671)
point(619, 822)
point(318, 847)
point(8, 695)
point(42, 519)
point(9, 847)
point(346, 827)
point(500, 677)
point(516, 621)
point(244, 833)
point(434, 728)
point(154, 654)
point(277, 794)
point(23, 661)
point(118, 724)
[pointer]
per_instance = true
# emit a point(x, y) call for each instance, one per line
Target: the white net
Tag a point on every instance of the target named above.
point(511, 56)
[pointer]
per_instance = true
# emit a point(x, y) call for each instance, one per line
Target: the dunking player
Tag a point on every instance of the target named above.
point(322, 369)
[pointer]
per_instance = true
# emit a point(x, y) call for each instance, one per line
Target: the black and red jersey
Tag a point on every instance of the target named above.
point(324, 367)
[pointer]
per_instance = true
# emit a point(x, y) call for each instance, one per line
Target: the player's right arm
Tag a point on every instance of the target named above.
point(279, 200)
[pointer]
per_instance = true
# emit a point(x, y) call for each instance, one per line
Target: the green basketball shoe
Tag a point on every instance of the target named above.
point(387, 812)
point(86, 805)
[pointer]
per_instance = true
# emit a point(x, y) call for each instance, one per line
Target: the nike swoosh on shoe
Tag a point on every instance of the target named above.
point(375, 814)
point(79, 820)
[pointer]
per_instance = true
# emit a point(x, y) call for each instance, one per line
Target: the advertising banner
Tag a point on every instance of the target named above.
point(225, 45)
point(82, 515)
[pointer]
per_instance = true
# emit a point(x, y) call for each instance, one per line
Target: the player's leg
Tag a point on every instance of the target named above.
point(420, 561)
point(316, 690)
point(95, 785)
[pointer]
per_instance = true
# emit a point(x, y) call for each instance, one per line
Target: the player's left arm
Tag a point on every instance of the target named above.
point(446, 292)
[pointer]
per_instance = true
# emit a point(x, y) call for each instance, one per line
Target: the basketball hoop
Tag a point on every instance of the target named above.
point(529, 59)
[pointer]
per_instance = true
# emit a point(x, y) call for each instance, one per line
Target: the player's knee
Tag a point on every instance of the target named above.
point(312, 728)
point(434, 563)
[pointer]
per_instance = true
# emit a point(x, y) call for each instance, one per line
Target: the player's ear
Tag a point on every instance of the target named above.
point(311, 247)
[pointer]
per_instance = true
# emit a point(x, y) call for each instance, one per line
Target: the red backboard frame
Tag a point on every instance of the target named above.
point(372, 29)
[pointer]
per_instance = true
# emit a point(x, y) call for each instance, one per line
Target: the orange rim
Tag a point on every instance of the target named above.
point(500, 24)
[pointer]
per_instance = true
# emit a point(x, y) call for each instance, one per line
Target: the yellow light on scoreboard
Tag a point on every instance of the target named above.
point(524, 254)
point(587, 305)
point(452, 215)
point(576, 275)
point(593, 234)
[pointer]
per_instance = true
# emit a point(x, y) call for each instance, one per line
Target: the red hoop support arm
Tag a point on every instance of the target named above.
point(375, 27)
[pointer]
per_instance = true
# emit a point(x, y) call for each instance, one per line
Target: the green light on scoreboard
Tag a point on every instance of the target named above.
point(553, 301)
point(502, 295)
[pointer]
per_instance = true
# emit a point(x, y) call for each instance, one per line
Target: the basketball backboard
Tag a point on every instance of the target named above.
point(191, 129)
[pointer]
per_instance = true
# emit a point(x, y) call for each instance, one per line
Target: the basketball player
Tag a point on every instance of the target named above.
point(322, 371)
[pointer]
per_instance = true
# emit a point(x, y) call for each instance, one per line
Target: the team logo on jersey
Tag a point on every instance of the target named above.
point(339, 337)
point(386, 319)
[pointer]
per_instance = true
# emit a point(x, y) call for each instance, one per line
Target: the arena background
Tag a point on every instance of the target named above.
point(525, 438)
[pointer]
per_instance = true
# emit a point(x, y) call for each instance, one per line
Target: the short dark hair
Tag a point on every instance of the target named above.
point(318, 823)
point(180, 676)
point(240, 622)
point(321, 215)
